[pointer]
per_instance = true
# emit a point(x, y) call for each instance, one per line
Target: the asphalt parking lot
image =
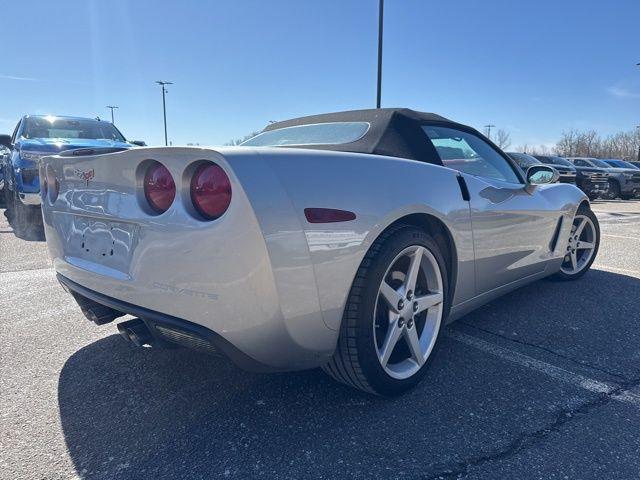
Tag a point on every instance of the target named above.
point(543, 383)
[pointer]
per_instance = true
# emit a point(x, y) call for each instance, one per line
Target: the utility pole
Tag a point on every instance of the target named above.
point(489, 127)
point(164, 107)
point(112, 107)
point(380, 25)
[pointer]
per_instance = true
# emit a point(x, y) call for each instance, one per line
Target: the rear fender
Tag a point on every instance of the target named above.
point(379, 190)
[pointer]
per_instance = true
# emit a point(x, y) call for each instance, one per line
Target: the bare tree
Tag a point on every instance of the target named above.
point(623, 145)
point(502, 139)
point(238, 141)
point(566, 145)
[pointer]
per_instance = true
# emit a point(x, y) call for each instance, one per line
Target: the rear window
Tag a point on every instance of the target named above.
point(334, 133)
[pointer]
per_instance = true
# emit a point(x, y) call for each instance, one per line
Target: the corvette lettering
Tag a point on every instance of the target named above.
point(185, 291)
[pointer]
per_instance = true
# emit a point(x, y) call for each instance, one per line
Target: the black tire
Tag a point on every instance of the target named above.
point(355, 361)
point(563, 276)
point(614, 189)
point(23, 218)
point(7, 203)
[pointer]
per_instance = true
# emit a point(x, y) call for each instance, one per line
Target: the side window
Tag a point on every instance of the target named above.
point(470, 154)
point(581, 163)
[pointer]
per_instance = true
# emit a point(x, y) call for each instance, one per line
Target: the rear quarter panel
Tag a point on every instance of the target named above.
point(379, 190)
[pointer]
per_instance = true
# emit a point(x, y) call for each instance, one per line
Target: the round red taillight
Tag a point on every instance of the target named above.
point(159, 187)
point(210, 191)
point(52, 185)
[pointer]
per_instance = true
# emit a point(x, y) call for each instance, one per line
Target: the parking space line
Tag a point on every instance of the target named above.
point(620, 236)
point(552, 371)
point(630, 220)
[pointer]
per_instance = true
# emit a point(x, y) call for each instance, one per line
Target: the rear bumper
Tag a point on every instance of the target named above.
point(248, 281)
point(156, 321)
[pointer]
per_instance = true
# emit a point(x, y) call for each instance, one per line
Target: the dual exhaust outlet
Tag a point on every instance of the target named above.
point(136, 332)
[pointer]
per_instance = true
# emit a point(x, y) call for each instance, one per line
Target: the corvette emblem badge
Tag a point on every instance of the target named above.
point(85, 175)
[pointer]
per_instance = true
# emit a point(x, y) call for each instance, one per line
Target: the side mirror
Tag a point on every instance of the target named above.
point(139, 143)
point(541, 175)
point(5, 141)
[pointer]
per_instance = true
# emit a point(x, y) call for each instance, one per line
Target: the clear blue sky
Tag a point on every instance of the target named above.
point(534, 68)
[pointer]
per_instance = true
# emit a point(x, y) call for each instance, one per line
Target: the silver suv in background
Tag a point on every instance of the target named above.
point(624, 182)
point(592, 181)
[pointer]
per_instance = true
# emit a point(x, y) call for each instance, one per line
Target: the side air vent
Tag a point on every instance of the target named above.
point(463, 188)
point(556, 234)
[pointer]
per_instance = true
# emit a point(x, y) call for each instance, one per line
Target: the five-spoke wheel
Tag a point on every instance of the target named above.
point(582, 246)
point(408, 312)
point(394, 313)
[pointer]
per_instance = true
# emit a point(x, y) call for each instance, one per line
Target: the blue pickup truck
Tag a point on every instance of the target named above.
point(37, 136)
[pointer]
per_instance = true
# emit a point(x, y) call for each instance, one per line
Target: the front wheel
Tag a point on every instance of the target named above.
point(614, 190)
point(394, 314)
point(22, 217)
point(582, 247)
point(593, 196)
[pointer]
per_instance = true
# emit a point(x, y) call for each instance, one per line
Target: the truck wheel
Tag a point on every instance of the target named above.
point(23, 217)
point(393, 315)
point(583, 245)
point(614, 189)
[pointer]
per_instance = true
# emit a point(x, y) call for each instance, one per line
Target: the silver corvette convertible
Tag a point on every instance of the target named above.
point(343, 241)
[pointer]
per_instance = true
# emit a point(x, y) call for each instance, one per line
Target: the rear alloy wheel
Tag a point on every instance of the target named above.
point(394, 314)
point(582, 246)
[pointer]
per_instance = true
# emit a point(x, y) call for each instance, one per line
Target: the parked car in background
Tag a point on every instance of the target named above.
point(592, 181)
point(614, 162)
point(36, 136)
point(567, 171)
point(292, 251)
point(623, 182)
point(635, 163)
point(523, 160)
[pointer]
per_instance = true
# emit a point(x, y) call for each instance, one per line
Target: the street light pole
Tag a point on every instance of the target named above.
point(489, 127)
point(380, 25)
point(164, 107)
point(112, 107)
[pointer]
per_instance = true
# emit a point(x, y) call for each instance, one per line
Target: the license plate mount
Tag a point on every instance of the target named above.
point(104, 242)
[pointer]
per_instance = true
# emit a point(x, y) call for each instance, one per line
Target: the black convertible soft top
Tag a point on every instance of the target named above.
point(395, 132)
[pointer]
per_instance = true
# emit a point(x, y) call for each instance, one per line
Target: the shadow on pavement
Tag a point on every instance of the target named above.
point(133, 413)
point(33, 232)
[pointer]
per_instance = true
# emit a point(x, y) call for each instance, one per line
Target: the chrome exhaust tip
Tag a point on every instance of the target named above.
point(136, 332)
